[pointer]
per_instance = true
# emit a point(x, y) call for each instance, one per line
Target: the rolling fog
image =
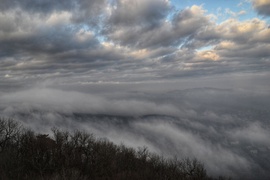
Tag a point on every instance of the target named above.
point(226, 129)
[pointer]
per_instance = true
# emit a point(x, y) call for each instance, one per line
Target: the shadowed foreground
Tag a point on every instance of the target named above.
point(79, 155)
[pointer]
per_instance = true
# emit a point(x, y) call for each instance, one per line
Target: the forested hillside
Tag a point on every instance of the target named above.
point(25, 154)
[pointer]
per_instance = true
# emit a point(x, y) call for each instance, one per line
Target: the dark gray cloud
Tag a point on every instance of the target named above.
point(43, 7)
point(138, 12)
point(184, 24)
point(262, 7)
point(83, 11)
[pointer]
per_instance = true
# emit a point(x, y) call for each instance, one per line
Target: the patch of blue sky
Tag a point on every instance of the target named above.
point(209, 5)
point(206, 48)
point(222, 9)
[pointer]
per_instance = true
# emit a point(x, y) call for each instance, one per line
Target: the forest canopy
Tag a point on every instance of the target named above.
point(25, 154)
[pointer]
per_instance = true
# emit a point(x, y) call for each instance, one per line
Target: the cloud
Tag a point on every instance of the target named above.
point(254, 133)
point(185, 143)
point(185, 23)
point(207, 55)
point(61, 101)
point(226, 129)
point(44, 35)
point(124, 41)
point(130, 13)
point(244, 31)
point(235, 14)
point(81, 10)
point(262, 6)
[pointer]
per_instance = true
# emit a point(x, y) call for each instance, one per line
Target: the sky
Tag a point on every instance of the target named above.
point(122, 41)
point(191, 75)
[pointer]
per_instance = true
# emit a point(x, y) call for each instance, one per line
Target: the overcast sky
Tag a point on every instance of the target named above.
point(131, 41)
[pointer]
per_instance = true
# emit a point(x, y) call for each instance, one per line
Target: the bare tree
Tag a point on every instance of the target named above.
point(9, 132)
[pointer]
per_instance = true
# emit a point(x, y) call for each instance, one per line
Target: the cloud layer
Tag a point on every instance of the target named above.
point(124, 40)
point(226, 129)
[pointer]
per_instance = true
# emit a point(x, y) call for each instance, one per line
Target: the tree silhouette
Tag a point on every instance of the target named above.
point(79, 155)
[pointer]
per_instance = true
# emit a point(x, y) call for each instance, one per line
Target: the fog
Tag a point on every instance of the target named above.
point(226, 129)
